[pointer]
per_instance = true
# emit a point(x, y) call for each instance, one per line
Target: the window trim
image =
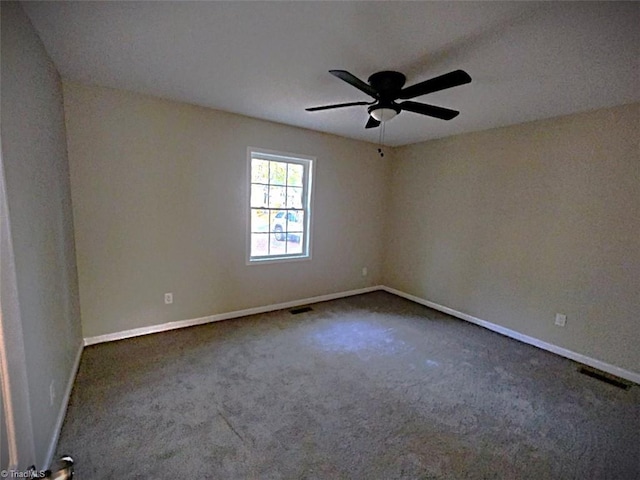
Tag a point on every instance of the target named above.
point(308, 185)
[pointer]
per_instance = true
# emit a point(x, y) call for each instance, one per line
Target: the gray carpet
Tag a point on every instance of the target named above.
point(368, 387)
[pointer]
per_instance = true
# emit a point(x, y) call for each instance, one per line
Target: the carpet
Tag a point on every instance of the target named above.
point(366, 387)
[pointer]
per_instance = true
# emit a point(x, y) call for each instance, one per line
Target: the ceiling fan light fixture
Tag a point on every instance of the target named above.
point(384, 114)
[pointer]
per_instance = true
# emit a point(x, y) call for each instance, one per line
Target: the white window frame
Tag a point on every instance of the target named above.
point(309, 169)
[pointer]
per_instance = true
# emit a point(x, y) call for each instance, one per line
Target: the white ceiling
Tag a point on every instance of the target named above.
point(270, 60)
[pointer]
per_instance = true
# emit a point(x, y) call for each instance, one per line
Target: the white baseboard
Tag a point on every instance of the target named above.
point(563, 352)
point(578, 357)
point(136, 332)
point(63, 410)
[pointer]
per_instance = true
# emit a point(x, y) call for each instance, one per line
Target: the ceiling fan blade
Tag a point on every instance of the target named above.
point(430, 110)
point(337, 105)
point(372, 123)
point(448, 80)
point(355, 81)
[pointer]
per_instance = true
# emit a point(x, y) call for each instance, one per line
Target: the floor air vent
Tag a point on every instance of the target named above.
point(296, 311)
point(605, 377)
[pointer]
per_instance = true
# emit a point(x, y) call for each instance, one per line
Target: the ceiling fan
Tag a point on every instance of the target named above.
point(386, 87)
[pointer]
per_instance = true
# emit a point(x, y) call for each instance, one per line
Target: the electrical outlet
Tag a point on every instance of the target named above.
point(168, 298)
point(365, 272)
point(561, 319)
point(52, 392)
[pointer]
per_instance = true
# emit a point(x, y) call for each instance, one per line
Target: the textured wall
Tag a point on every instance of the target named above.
point(516, 224)
point(34, 157)
point(160, 205)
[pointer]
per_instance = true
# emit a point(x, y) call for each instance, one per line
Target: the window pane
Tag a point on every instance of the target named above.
point(294, 244)
point(278, 173)
point(259, 171)
point(259, 220)
point(294, 197)
point(277, 247)
point(296, 173)
point(277, 197)
point(259, 196)
point(278, 223)
point(259, 244)
point(296, 221)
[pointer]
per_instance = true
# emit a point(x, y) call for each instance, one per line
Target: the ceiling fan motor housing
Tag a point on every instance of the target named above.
point(388, 84)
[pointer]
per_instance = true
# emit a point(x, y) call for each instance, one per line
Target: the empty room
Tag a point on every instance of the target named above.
point(320, 240)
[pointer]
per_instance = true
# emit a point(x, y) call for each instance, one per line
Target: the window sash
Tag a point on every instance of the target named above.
point(296, 244)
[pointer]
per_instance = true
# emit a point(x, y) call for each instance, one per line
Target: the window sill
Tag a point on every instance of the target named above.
point(271, 260)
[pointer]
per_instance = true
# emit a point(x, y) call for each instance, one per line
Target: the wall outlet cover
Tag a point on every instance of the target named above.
point(561, 319)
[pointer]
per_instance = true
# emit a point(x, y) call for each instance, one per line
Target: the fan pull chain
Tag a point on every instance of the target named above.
point(381, 139)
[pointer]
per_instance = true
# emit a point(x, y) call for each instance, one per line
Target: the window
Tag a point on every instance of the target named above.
point(279, 206)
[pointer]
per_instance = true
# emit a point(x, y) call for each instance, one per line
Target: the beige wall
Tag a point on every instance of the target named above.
point(516, 224)
point(160, 205)
point(511, 225)
point(36, 174)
